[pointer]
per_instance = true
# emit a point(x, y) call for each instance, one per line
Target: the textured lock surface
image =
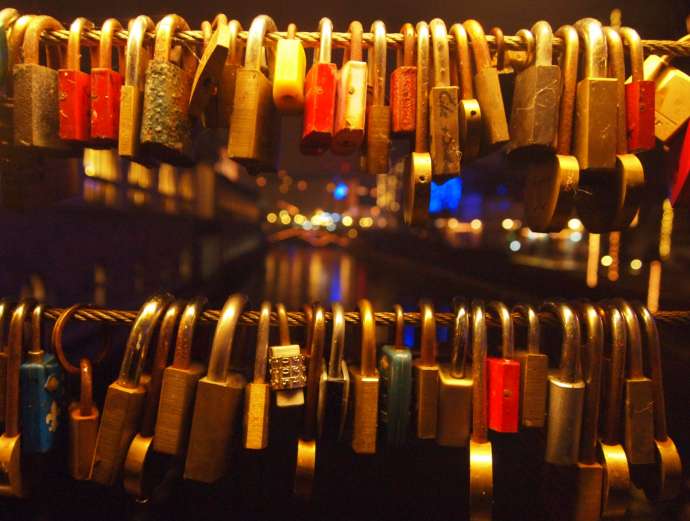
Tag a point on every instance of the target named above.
point(534, 368)
point(471, 128)
point(83, 431)
point(119, 423)
point(36, 113)
point(257, 402)
point(105, 104)
point(215, 411)
point(350, 112)
point(74, 91)
point(564, 422)
point(490, 100)
point(395, 370)
point(288, 77)
point(11, 482)
point(596, 108)
point(426, 386)
point(481, 481)
point(588, 485)
point(165, 125)
point(175, 408)
point(366, 399)
point(616, 491)
point(639, 113)
point(445, 132)
point(454, 409)
point(403, 99)
point(639, 421)
point(378, 138)
point(504, 394)
point(319, 108)
point(42, 389)
point(534, 115)
point(550, 190)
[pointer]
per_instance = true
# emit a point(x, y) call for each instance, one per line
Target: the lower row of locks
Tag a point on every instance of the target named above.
point(189, 411)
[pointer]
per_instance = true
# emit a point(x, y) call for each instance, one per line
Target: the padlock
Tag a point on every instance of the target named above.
point(74, 88)
point(41, 384)
point(378, 113)
point(596, 102)
point(251, 125)
point(124, 400)
point(286, 363)
point(106, 84)
point(536, 98)
point(566, 392)
point(288, 77)
point(679, 195)
point(257, 398)
point(417, 175)
point(395, 370)
point(228, 78)
point(351, 98)
point(455, 387)
point(403, 90)
point(469, 113)
point(534, 370)
point(443, 109)
point(365, 379)
point(306, 444)
point(8, 16)
point(132, 92)
point(165, 124)
point(15, 40)
point(6, 307)
point(639, 96)
point(336, 396)
point(139, 478)
point(11, 476)
point(666, 481)
point(218, 401)
point(504, 377)
point(179, 386)
point(36, 113)
point(487, 88)
point(480, 467)
point(319, 96)
point(615, 495)
point(426, 375)
point(551, 182)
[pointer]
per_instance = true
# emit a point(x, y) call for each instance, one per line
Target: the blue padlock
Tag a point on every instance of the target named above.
point(42, 392)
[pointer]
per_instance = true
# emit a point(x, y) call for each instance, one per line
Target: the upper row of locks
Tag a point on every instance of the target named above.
point(190, 412)
point(574, 126)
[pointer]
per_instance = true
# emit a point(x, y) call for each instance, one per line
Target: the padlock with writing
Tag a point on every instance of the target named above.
point(6, 307)
point(469, 113)
point(288, 77)
point(106, 84)
point(378, 113)
point(426, 375)
point(351, 98)
point(319, 95)
point(403, 89)
point(639, 96)
point(124, 401)
point(336, 396)
point(257, 398)
point(218, 401)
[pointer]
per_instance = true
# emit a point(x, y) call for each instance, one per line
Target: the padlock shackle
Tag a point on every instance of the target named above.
point(323, 53)
point(480, 47)
point(136, 55)
point(399, 327)
point(632, 39)
point(594, 54)
point(291, 32)
point(221, 20)
point(79, 25)
point(618, 335)
point(85, 387)
point(105, 46)
point(460, 342)
point(368, 324)
point(308, 327)
point(529, 314)
point(529, 43)
point(234, 49)
point(263, 331)
point(223, 338)
point(283, 326)
point(427, 337)
point(479, 346)
point(311, 404)
point(182, 359)
point(139, 339)
point(421, 133)
point(634, 358)
point(462, 49)
point(376, 62)
point(335, 366)
point(15, 40)
point(206, 32)
point(165, 30)
point(440, 54)
point(500, 44)
point(507, 332)
point(616, 70)
point(8, 16)
point(6, 306)
point(261, 25)
point(404, 55)
point(569, 58)
point(14, 360)
point(570, 369)
point(32, 39)
point(36, 352)
point(543, 43)
point(354, 51)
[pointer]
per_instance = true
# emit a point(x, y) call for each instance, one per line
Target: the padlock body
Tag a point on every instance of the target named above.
point(615, 494)
point(534, 371)
point(305, 469)
point(319, 108)
point(119, 423)
point(417, 189)
point(207, 77)
point(215, 410)
point(445, 132)
point(105, 106)
point(671, 101)
point(534, 115)
point(471, 128)
point(366, 400)
point(83, 431)
point(226, 94)
point(403, 99)
point(564, 423)
point(135, 478)
point(288, 76)
point(639, 421)
point(639, 114)
point(596, 113)
point(11, 481)
point(250, 141)
point(395, 370)
point(131, 99)
point(74, 88)
point(350, 110)
point(504, 394)
point(165, 125)
point(490, 99)
point(333, 405)
point(588, 485)
point(42, 389)
point(178, 390)
point(481, 473)
point(378, 139)
point(679, 191)
point(630, 183)
point(667, 481)
point(426, 394)
point(454, 409)
point(256, 406)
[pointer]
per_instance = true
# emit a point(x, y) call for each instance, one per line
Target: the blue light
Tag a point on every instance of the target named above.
point(445, 196)
point(340, 191)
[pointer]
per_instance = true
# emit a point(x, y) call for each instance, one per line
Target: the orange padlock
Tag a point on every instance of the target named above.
point(105, 89)
point(403, 94)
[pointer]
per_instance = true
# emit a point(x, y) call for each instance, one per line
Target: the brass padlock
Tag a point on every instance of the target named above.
point(334, 406)
point(378, 113)
point(6, 307)
point(15, 40)
point(257, 399)
point(469, 114)
point(425, 371)
point(228, 79)
point(286, 361)
point(288, 79)
point(217, 403)
point(124, 401)
point(252, 122)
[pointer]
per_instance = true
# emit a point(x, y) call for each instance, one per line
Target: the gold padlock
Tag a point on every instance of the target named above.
point(426, 375)
point(288, 79)
point(470, 115)
point(378, 113)
point(257, 399)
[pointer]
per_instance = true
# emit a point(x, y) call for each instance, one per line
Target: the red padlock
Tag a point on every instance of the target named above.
point(319, 96)
point(403, 94)
point(639, 97)
point(680, 189)
point(105, 89)
point(74, 88)
point(504, 377)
